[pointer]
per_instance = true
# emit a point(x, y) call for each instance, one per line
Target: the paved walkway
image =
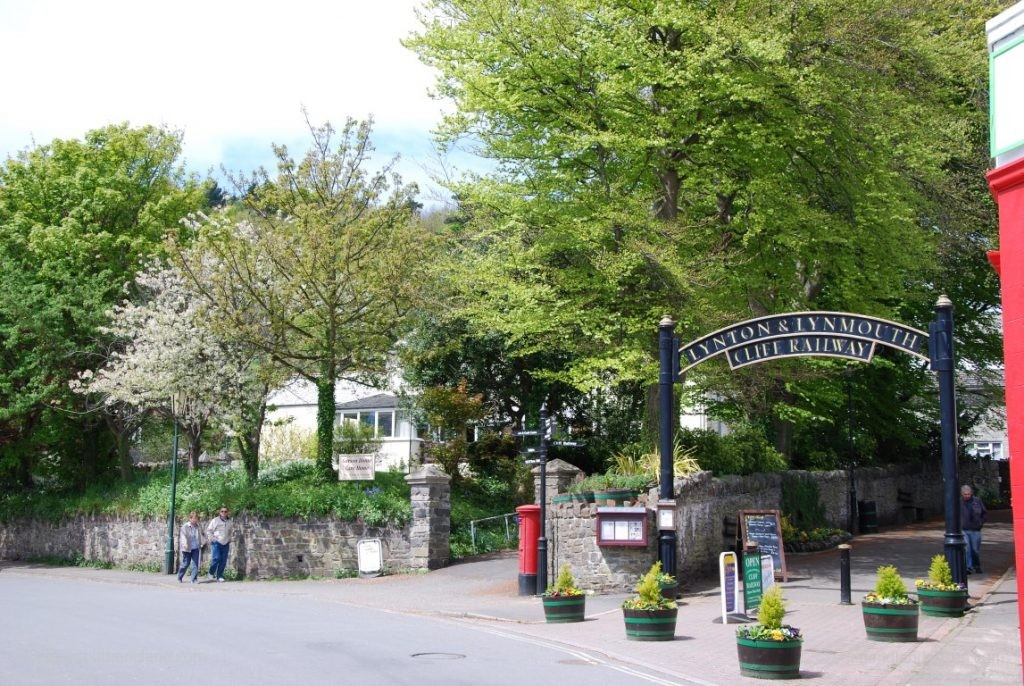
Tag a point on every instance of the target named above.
point(981, 648)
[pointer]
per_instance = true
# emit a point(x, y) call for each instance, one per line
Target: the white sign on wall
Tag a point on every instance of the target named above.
point(1006, 79)
point(356, 466)
point(368, 550)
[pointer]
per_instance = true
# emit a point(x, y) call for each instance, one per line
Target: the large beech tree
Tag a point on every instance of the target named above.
point(713, 160)
point(320, 271)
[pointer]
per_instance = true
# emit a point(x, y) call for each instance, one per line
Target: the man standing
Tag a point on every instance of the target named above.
point(219, 533)
point(190, 541)
point(972, 518)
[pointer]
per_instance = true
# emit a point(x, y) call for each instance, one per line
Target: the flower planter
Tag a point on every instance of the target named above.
point(942, 603)
point(587, 497)
point(650, 625)
point(891, 623)
point(564, 609)
point(669, 591)
point(769, 659)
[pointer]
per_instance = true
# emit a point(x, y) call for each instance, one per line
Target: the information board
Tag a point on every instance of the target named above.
point(762, 527)
point(728, 572)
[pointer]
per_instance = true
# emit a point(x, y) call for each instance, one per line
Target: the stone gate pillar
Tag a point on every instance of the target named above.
point(560, 475)
point(430, 530)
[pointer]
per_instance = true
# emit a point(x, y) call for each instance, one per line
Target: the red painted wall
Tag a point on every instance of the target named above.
point(1007, 185)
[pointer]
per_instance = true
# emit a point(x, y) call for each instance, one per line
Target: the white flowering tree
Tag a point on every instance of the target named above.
point(168, 352)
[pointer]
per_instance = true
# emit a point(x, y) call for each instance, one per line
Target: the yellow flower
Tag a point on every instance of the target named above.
point(777, 635)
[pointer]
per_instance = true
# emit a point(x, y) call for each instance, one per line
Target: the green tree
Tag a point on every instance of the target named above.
point(712, 160)
point(321, 268)
point(77, 220)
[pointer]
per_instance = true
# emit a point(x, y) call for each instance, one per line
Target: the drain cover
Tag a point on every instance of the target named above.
point(437, 656)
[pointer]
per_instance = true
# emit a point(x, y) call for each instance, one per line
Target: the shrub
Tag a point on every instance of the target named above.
point(565, 585)
point(648, 593)
point(801, 502)
point(635, 461)
point(772, 609)
point(747, 446)
point(939, 571)
point(889, 588)
point(354, 438)
point(286, 442)
point(707, 447)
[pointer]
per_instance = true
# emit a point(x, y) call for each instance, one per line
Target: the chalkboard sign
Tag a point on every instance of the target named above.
point(762, 527)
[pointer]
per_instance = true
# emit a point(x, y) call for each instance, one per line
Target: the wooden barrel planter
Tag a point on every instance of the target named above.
point(670, 591)
point(891, 623)
point(564, 609)
point(942, 603)
point(769, 659)
point(650, 625)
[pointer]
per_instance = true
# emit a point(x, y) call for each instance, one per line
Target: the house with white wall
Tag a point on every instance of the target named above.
point(296, 405)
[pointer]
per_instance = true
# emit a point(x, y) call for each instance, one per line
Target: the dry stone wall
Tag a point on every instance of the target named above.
point(703, 502)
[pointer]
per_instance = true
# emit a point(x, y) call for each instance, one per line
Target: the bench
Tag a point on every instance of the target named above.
point(910, 512)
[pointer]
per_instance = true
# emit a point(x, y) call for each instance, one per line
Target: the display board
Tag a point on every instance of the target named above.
point(763, 528)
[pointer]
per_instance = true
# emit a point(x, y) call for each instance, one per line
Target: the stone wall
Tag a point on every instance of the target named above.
point(704, 502)
point(261, 547)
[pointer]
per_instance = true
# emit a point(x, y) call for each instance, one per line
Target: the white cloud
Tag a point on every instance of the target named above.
point(233, 75)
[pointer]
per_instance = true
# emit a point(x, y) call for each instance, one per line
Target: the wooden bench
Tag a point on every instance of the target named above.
point(910, 512)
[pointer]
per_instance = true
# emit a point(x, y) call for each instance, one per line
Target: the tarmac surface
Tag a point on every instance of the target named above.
point(983, 647)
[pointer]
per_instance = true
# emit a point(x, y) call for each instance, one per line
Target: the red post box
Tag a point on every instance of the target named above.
point(529, 532)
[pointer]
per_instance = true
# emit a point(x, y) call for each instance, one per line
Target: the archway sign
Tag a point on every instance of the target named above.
point(823, 334)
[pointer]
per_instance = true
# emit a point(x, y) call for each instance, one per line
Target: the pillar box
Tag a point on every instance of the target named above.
point(529, 532)
point(1005, 35)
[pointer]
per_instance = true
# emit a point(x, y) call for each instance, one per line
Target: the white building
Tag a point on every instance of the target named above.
point(296, 404)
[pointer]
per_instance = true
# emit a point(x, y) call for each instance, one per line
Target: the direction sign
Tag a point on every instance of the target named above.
point(526, 433)
point(569, 444)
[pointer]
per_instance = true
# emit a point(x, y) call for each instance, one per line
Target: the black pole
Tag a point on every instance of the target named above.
point(542, 541)
point(844, 575)
point(666, 538)
point(851, 507)
point(941, 348)
point(169, 566)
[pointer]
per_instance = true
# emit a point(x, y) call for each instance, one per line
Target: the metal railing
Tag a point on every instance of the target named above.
point(508, 535)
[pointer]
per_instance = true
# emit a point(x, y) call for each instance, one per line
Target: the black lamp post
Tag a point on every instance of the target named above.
point(851, 509)
point(542, 541)
point(177, 401)
point(666, 377)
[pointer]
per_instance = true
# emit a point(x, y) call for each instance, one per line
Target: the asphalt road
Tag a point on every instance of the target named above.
point(76, 631)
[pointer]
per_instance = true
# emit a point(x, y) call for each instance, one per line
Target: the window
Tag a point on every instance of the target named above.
point(382, 421)
point(989, 449)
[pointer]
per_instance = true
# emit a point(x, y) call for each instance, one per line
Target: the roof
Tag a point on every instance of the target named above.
point(373, 402)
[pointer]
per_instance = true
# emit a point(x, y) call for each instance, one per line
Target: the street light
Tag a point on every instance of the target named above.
point(177, 403)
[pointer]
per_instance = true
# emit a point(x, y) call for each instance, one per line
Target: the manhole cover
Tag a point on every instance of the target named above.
point(437, 656)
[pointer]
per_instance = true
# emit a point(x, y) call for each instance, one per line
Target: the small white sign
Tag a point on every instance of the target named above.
point(1007, 97)
point(729, 575)
point(767, 573)
point(356, 466)
point(368, 550)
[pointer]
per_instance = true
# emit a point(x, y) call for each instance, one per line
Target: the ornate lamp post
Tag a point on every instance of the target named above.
point(177, 403)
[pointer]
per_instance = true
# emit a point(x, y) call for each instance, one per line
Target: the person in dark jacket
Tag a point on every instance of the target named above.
point(972, 518)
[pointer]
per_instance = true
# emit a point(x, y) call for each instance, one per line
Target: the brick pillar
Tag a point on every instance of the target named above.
point(430, 529)
point(560, 476)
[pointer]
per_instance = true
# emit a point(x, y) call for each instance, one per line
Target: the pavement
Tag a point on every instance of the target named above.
point(983, 647)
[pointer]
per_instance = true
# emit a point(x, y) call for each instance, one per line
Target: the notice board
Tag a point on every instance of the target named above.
point(763, 527)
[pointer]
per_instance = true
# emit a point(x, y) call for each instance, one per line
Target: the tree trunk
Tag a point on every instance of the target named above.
point(325, 423)
point(249, 441)
point(195, 444)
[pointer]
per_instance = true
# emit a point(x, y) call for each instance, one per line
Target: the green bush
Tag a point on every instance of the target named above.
point(611, 481)
point(801, 502)
point(744, 450)
point(772, 609)
point(939, 571)
point(889, 586)
point(648, 593)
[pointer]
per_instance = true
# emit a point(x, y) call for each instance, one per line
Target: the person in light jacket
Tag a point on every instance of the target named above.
point(219, 533)
point(972, 518)
point(190, 542)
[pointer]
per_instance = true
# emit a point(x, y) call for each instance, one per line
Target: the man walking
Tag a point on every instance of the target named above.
point(190, 542)
point(219, 533)
point(972, 518)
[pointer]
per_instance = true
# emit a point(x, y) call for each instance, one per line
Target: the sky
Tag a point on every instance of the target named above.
point(233, 76)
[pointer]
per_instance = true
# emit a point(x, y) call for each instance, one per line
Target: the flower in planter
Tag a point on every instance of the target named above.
point(769, 618)
point(940, 577)
point(889, 588)
point(565, 586)
point(648, 593)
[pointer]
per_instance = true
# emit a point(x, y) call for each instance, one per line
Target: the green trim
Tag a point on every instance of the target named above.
point(993, 152)
point(651, 620)
point(564, 619)
point(898, 630)
point(886, 611)
point(944, 612)
point(754, 667)
point(563, 601)
point(751, 643)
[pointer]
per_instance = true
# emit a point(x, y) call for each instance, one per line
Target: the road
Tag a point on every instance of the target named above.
point(78, 631)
